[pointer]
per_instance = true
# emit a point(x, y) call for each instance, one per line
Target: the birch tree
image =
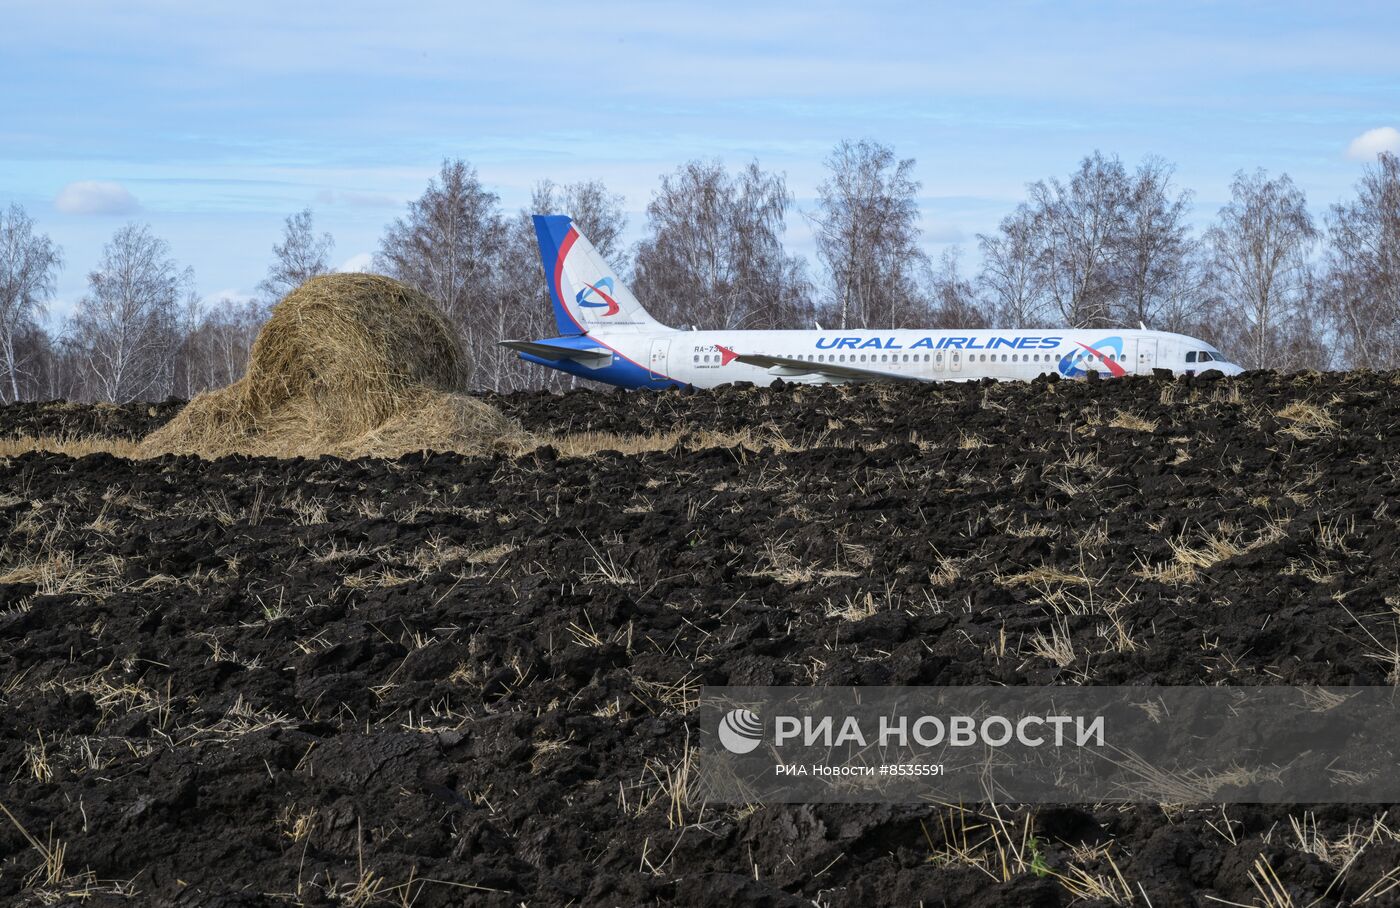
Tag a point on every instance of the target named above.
point(867, 231)
point(29, 266)
point(1259, 261)
point(1080, 224)
point(1363, 268)
point(713, 254)
point(447, 246)
point(300, 255)
point(126, 326)
point(1011, 273)
point(1153, 246)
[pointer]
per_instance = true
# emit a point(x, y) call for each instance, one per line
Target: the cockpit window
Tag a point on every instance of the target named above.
point(1206, 357)
point(1191, 356)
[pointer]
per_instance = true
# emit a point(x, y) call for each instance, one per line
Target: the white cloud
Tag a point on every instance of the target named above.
point(95, 197)
point(356, 199)
point(232, 295)
point(1374, 141)
point(360, 262)
point(944, 233)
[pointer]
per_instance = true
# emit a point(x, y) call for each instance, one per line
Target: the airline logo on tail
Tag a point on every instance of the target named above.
point(604, 290)
point(583, 289)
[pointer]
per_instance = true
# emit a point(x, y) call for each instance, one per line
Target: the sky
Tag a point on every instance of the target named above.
point(212, 122)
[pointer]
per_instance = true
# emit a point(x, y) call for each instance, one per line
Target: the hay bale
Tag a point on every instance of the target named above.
point(348, 364)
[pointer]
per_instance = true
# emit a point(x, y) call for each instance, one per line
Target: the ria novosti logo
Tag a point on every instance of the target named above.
point(740, 731)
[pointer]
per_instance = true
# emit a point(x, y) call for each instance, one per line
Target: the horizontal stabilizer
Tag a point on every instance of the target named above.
point(783, 366)
point(590, 357)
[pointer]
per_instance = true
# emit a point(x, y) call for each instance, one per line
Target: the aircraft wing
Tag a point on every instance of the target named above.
point(783, 366)
point(592, 357)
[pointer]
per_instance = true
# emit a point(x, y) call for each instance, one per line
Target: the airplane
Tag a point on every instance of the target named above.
point(607, 336)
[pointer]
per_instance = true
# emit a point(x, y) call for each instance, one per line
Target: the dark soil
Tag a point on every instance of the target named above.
point(61, 419)
point(442, 679)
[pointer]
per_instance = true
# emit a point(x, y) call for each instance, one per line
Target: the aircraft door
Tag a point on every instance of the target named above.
point(660, 353)
point(1146, 355)
point(955, 360)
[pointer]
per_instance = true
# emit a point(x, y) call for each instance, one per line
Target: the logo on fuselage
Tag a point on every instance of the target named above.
point(1106, 353)
point(894, 342)
point(604, 291)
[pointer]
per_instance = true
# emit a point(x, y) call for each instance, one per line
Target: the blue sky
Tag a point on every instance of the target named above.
point(213, 121)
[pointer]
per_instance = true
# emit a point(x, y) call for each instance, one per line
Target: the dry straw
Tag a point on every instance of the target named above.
point(351, 365)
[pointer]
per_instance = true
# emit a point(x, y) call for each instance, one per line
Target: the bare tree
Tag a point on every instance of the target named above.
point(1183, 296)
point(29, 265)
point(448, 247)
point(1362, 291)
point(447, 244)
point(954, 302)
point(867, 228)
point(126, 327)
point(1011, 273)
point(1080, 224)
point(299, 256)
point(1259, 262)
point(51, 375)
point(216, 344)
point(525, 310)
point(1153, 246)
point(598, 213)
point(713, 254)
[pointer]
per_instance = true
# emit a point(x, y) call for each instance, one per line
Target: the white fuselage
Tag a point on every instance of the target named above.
point(605, 334)
point(705, 359)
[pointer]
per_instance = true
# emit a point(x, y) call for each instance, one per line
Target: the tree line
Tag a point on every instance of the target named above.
point(1105, 246)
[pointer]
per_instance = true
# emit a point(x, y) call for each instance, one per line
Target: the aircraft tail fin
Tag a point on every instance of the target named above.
point(586, 294)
